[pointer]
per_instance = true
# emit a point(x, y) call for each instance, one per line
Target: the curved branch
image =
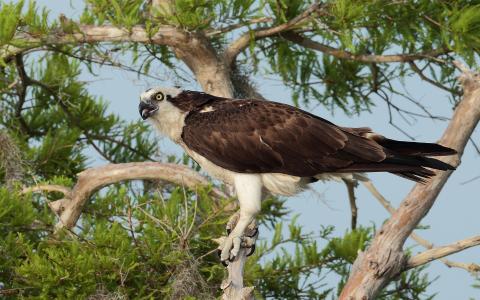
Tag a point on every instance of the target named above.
point(48, 188)
point(439, 252)
point(240, 44)
point(385, 259)
point(91, 180)
point(366, 58)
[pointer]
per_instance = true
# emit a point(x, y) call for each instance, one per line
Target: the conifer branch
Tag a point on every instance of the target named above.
point(232, 27)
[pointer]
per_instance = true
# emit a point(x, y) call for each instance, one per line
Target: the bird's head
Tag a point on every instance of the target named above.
point(153, 100)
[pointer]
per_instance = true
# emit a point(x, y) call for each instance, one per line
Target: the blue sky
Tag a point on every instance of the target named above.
point(453, 217)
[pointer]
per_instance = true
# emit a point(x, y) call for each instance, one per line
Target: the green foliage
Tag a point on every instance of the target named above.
point(9, 20)
point(142, 244)
point(369, 27)
point(348, 246)
point(154, 240)
point(117, 12)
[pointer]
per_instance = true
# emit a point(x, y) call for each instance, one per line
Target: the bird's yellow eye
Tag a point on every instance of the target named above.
point(159, 97)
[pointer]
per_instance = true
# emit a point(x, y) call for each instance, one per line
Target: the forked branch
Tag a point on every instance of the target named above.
point(470, 267)
point(385, 259)
point(240, 44)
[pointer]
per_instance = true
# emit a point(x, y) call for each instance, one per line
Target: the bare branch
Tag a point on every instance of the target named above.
point(471, 267)
point(366, 58)
point(166, 35)
point(439, 252)
point(93, 179)
point(232, 27)
point(384, 258)
point(48, 188)
point(351, 184)
point(240, 44)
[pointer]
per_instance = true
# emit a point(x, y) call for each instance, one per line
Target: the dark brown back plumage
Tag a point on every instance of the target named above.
point(254, 136)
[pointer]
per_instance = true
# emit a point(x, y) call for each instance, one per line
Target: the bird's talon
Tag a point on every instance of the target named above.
point(251, 250)
point(224, 263)
point(255, 232)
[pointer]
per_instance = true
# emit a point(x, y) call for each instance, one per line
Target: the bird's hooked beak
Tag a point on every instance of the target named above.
point(146, 110)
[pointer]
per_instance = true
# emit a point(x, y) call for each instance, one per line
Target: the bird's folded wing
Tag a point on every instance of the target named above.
point(265, 137)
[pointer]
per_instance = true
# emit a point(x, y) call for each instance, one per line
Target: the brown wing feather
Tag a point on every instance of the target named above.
point(260, 136)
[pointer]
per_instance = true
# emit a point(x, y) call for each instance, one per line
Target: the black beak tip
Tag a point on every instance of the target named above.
point(146, 110)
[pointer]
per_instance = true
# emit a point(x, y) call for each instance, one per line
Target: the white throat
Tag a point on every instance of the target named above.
point(169, 121)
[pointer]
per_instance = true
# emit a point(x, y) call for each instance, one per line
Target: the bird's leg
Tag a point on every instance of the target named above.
point(249, 192)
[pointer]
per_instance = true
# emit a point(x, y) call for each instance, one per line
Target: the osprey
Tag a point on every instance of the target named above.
point(256, 144)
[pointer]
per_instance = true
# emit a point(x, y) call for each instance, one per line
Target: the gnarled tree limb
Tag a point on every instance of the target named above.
point(470, 267)
point(93, 179)
point(385, 258)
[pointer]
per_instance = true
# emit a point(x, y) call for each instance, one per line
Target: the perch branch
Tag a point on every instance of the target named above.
point(439, 252)
point(384, 258)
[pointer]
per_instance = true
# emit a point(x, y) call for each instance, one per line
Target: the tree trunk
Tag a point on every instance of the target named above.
point(385, 258)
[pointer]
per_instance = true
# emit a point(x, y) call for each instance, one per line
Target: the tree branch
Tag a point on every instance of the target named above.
point(417, 70)
point(351, 184)
point(93, 179)
point(240, 44)
point(48, 188)
point(385, 258)
point(471, 267)
point(439, 252)
point(365, 58)
point(232, 27)
point(166, 35)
